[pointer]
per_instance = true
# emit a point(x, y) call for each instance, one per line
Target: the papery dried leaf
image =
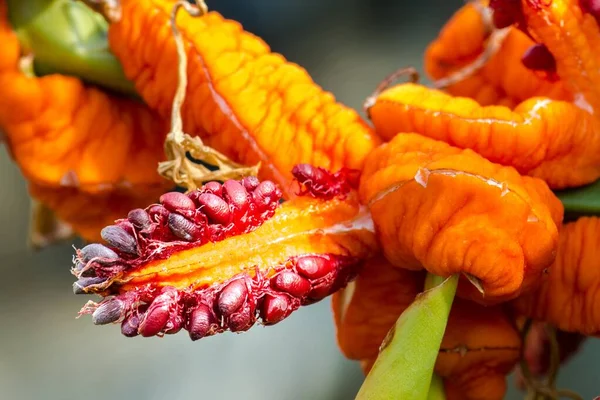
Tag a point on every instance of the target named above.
point(451, 211)
point(84, 144)
point(244, 101)
point(503, 80)
point(539, 137)
point(567, 297)
point(217, 258)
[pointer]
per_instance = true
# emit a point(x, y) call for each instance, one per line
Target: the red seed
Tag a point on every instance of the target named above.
point(232, 297)
point(139, 218)
point(214, 188)
point(130, 325)
point(97, 250)
point(250, 183)
point(275, 308)
point(108, 312)
point(242, 320)
point(119, 238)
point(266, 193)
point(313, 267)
point(155, 319)
point(308, 174)
point(539, 58)
point(202, 322)
point(183, 228)
point(215, 208)
point(159, 313)
point(158, 213)
point(292, 283)
point(591, 6)
point(175, 201)
point(506, 12)
point(236, 194)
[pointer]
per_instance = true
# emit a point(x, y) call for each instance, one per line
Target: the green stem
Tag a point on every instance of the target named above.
point(69, 38)
point(404, 367)
point(436, 390)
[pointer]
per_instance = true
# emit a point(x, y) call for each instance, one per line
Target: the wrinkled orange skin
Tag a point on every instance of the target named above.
point(573, 37)
point(503, 80)
point(480, 347)
point(79, 147)
point(244, 101)
point(568, 295)
point(367, 309)
point(468, 216)
point(539, 137)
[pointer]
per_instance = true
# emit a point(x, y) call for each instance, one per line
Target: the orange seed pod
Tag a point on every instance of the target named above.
point(503, 80)
point(451, 211)
point(567, 296)
point(539, 137)
point(76, 144)
point(242, 100)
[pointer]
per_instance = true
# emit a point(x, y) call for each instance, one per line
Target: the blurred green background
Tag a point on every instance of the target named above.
point(46, 354)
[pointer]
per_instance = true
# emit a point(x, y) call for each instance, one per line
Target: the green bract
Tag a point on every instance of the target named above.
point(67, 37)
point(404, 367)
point(584, 200)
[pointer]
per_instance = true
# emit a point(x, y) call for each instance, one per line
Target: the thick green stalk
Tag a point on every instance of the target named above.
point(67, 37)
point(404, 367)
point(436, 389)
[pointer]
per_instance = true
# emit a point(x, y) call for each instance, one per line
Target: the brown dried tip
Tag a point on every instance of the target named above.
point(220, 257)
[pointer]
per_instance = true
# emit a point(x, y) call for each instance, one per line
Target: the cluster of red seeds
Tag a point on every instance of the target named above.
point(183, 221)
point(233, 305)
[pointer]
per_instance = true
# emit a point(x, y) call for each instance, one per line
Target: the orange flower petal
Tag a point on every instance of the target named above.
point(568, 297)
point(503, 80)
point(244, 101)
point(451, 211)
point(539, 137)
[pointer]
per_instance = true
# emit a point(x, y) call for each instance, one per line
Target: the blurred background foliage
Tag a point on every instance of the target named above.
point(45, 353)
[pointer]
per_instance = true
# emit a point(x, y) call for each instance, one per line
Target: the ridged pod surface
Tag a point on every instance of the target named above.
point(572, 35)
point(479, 348)
point(567, 297)
point(75, 143)
point(242, 99)
point(539, 137)
point(503, 80)
point(451, 211)
point(222, 256)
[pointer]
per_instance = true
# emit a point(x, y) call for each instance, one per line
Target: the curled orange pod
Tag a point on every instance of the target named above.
point(567, 296)
point(243, 100)
point(539, 137)
point(218, 257)
point(572, 35)
point(452, 211)
point(76, 144)
point(468, 38)
point(480, 347)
